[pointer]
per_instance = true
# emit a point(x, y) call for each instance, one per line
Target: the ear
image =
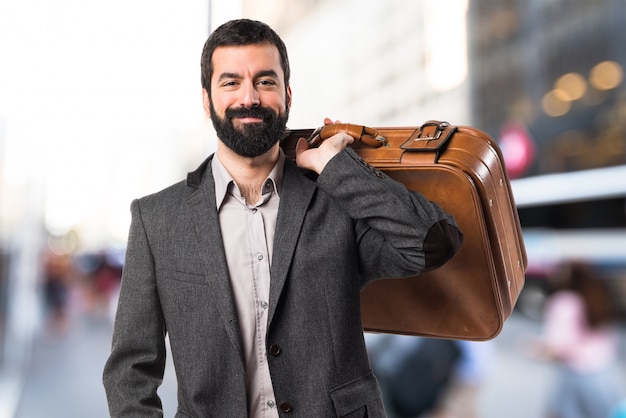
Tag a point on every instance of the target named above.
point(288, 97)
point(206, 103)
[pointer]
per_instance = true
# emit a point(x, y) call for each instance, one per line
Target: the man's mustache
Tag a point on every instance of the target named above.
point(250, 112)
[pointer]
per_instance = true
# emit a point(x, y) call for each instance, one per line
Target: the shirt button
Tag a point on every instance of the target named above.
point(259, 256)
point(264, 305)
point(271, 403)
point(254, 210)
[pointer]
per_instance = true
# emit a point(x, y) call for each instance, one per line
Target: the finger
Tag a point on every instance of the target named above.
point(345, 138)
point(328, 121)
point(301, 145)
point(338, 141)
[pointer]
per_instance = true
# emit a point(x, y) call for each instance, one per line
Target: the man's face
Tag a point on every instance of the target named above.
point(249, 103)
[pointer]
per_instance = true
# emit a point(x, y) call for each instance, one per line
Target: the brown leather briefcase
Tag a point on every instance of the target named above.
point(461, 169)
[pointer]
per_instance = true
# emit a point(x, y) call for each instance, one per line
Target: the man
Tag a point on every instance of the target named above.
point(254, 265)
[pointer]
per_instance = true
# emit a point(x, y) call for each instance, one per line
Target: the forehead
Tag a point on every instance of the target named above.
point(246, 60)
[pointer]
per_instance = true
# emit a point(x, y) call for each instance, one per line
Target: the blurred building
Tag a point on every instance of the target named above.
point(556, 68)
point(547, 80)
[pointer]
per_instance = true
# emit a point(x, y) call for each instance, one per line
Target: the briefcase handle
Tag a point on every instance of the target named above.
point(368, 136)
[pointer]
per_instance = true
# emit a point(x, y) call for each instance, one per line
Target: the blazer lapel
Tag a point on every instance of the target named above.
point(296, 193)
point(211, 248)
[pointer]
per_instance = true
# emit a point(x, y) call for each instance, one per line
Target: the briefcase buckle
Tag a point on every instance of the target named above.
point(439, 128)
point(433, 137)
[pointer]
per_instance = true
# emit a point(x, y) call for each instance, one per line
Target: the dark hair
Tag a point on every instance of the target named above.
point(240, 32)
point(579, 277)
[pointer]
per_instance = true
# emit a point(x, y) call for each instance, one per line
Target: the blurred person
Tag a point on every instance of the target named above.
point(414, 372)
point(471, 371)
point(56, 289)
point(426, 377)
point(581, 335)
point(105, 281)
point(253, 267)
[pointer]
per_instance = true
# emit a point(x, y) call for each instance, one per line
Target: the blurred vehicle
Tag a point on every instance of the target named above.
point(574, 216)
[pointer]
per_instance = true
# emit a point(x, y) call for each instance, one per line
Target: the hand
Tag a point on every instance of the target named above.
point(316, 158)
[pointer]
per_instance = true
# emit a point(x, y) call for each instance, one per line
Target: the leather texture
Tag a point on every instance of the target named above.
point(460, 168)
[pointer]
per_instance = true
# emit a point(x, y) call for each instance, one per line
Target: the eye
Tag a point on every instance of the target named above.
point(267, 82)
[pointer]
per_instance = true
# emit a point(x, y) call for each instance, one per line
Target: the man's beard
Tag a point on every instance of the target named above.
point(251, 139)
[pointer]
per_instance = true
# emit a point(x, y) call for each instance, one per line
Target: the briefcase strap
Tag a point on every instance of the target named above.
point(431, 136)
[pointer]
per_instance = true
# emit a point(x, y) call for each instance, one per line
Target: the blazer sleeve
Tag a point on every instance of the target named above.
point(400, 233)
point(135, 367)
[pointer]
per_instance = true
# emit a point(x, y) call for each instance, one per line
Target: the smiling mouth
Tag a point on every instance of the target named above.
point(249, 120)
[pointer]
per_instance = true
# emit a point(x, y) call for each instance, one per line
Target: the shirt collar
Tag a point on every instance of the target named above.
point(224, 181)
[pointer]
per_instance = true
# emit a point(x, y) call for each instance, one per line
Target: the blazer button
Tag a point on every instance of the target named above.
point(275, 350)
point(285, 407)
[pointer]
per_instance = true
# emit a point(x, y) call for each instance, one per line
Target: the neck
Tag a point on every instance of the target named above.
point(248, 172)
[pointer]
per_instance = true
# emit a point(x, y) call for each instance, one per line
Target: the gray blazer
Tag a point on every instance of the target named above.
point(334, 234)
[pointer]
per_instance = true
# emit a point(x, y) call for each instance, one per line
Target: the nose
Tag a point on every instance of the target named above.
point(250, 96)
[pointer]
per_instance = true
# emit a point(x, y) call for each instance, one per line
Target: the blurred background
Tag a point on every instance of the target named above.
point(100, 102)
